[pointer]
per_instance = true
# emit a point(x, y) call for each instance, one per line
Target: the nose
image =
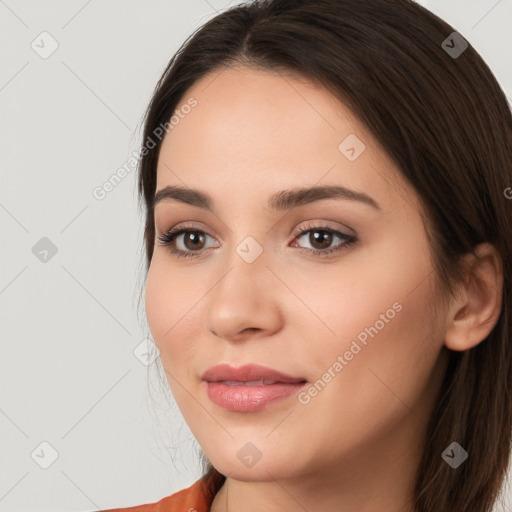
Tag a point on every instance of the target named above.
point(241, 304)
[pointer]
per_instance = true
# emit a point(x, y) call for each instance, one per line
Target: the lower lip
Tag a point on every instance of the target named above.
point(250, 398)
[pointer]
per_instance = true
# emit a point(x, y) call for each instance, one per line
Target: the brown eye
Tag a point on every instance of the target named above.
point(320, 239)
point(193, 240)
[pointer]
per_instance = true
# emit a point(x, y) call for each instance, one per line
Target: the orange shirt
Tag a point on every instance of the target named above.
point(195, 498)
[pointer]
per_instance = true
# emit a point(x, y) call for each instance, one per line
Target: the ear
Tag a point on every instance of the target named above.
point(475, 311)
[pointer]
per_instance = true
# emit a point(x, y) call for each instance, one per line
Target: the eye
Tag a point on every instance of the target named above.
point(321, 238)
point(192, 244)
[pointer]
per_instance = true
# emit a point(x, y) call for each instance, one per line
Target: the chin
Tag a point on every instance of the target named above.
point(261, 471)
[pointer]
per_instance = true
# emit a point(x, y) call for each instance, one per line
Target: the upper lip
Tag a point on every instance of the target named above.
point(247, 373)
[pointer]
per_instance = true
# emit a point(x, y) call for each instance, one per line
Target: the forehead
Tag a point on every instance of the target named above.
point(258, 131)
point(257, 107)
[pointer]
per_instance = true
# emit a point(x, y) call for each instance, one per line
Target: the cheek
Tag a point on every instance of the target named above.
point(171, 305)
point(374, 313)
point(388, 343)
point(364, 298)
point(157, 303)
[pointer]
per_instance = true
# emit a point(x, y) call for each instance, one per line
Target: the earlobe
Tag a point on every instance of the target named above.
point(476, 309)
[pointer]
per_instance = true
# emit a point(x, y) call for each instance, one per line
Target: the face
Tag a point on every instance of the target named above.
point(332, 289)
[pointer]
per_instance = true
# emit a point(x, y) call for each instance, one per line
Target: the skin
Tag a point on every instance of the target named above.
point(357, 444)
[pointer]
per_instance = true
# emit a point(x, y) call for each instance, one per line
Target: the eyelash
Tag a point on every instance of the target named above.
point(168, 238)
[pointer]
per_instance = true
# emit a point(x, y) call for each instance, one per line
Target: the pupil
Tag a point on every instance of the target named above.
point(194, 237)
point(318, 238)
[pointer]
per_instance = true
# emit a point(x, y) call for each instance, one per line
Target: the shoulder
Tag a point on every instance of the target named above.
point(195, 498)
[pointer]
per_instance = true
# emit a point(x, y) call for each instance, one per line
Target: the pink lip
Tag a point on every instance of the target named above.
point(222, 388)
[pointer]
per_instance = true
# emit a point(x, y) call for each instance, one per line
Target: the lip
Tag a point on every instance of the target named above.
point(248, 388)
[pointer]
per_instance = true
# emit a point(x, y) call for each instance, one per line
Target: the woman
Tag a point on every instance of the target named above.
point(329, 259)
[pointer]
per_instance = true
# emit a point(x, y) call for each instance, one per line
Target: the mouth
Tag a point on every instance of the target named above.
point(248, 388)
point(261, 382)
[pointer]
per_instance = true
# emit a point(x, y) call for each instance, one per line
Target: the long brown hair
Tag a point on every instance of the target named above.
point(444, 120)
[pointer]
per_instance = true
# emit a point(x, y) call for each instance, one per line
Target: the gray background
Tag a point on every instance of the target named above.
point(69, 325)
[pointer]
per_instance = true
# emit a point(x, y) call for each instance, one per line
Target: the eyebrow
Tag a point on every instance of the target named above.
point(282, 200)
